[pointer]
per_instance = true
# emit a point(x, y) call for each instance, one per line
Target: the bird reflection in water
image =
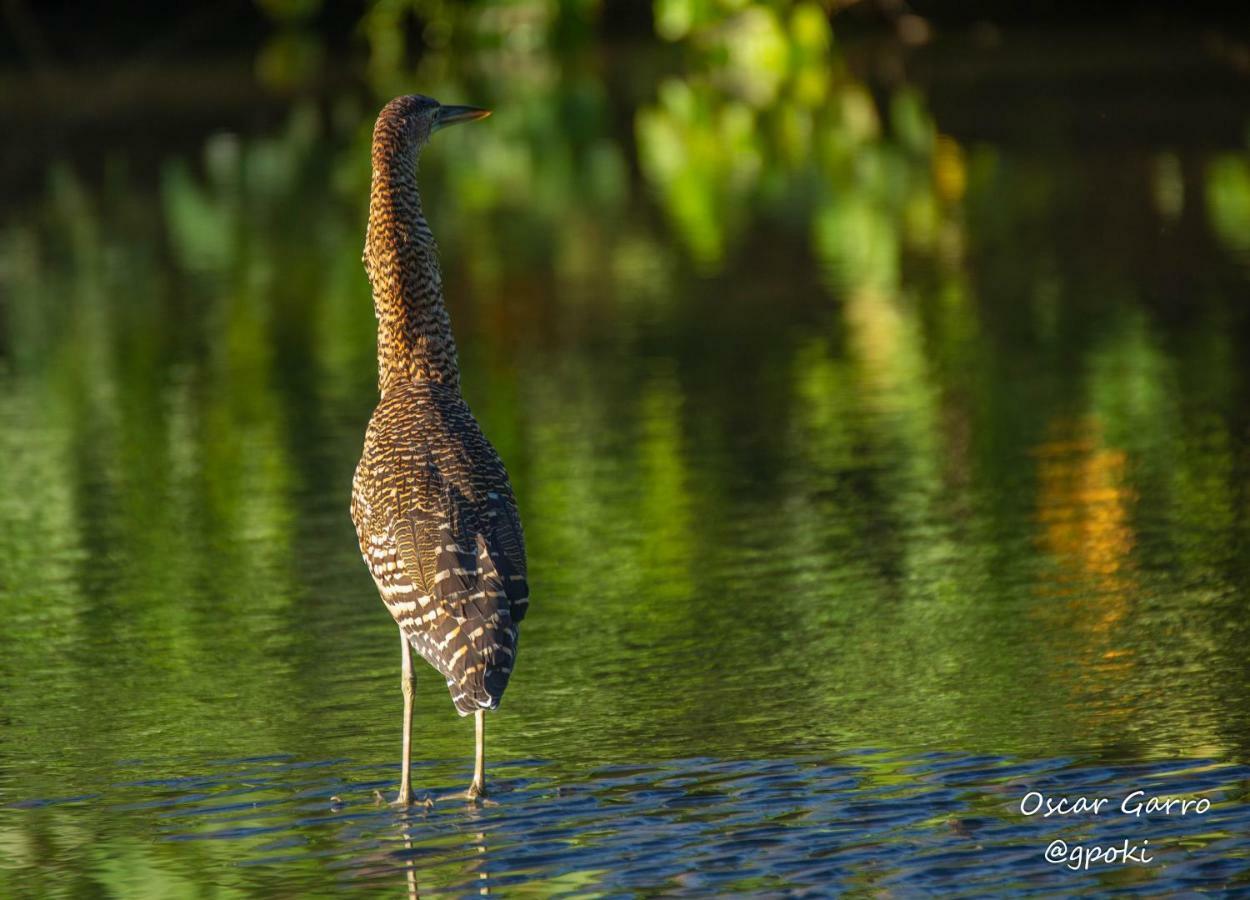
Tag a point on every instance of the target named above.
point(477, 864)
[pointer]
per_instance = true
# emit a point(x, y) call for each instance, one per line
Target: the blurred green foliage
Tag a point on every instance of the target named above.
point(1228, 199)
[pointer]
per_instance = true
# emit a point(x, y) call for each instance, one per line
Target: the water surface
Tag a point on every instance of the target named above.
point(873, 476)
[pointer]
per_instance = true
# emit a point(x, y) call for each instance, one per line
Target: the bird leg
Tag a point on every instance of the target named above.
point(408, 684)
point(478, 787)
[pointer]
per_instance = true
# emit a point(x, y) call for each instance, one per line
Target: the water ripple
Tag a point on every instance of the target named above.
point(867, 820)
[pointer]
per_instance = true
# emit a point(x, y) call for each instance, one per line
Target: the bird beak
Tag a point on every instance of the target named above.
point(450, 115)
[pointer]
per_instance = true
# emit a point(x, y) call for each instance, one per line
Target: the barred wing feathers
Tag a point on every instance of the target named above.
point(449, 561)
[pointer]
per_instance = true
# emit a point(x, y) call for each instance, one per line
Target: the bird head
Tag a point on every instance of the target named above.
point(415, 117)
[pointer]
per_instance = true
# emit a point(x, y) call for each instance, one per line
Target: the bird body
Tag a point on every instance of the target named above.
point(434, 511)
point(439, 530)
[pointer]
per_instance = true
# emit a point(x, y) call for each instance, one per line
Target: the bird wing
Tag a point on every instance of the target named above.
point(507, 545)
point(460, 560)
point(440, 531)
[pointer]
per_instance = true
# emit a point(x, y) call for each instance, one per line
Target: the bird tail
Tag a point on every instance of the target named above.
point(479, 675)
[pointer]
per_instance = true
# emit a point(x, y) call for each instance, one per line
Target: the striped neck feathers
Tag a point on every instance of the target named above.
point(415, 342)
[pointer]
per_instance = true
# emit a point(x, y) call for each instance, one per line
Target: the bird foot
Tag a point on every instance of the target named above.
point(477, 794)
point(402, 801)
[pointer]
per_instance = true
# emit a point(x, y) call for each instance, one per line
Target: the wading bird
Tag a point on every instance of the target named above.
point(434, 511)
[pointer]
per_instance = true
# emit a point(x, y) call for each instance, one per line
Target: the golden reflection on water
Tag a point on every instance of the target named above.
point(1084, 504)
point(1084, 510)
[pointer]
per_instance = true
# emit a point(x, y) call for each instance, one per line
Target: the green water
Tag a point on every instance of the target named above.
point(846, 446)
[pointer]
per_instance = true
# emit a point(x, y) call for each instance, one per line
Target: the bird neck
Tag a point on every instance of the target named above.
point(415, 342)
